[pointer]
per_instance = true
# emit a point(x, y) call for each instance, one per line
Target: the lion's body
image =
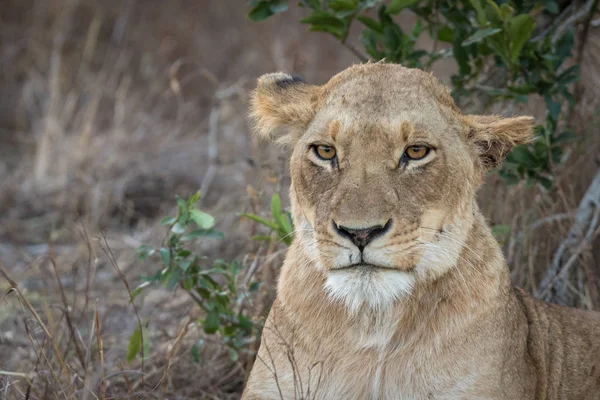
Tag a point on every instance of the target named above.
point(427, 311)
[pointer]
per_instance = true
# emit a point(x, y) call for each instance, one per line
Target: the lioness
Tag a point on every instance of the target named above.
point(394, 287)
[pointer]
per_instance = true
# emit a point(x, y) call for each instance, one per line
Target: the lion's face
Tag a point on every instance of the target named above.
point(384, 171)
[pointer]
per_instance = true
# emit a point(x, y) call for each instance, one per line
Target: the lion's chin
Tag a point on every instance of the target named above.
point(368, 285)
point(366, 267)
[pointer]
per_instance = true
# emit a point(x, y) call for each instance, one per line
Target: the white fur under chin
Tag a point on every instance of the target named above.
point(374, 288)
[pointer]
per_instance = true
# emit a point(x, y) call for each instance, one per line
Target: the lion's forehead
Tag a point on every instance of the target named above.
point(376, 126)
point(371, 111)
point(385, 83)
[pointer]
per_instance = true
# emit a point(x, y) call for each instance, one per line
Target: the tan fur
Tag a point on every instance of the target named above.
point(430, 313)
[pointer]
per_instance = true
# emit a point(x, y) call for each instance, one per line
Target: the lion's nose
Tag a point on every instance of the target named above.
point(361, 237)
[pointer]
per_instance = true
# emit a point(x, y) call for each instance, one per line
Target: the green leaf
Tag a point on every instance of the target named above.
point(168, 220)
point(370, 23)
point(275, 206)
point(178, 228)
point(553, 108)
point(182, 207)
point(396, 6)
point(202, 219)
point(211, 322)
point(135, 344)
point(260, 220)
point(569, 97)
point(145, 251)
point(460, 53)
point(135, 292)
point(545, 182)
point(343, 5)
point(565, 136)
point(279, 216)
point(207, 233)
point(254, 286)
point(266, 8)
point(416, 30)
point(481, 18)
point(204, 293)
point(523, 89)
point(183, 253)
point(245, 323)
point(153, 278)
point(284, 223)
point(498, 15)
point(519, 32)
point(510, 178)
point(551, 6)
point(522, 156)
point(265, 238)
point(233, 355)
point(392, 37)
point(260, 12)
point(500, 230)
point(320, 17)
point(564, 46)
point(193, 199)
point(480, 35)
point(146, 349)
point(570, 75)
point(196, 353)
point(444, 34)
point(174, 276)
point(504, 11)
point(324, 21)
point(165, 255)
point(497, 44)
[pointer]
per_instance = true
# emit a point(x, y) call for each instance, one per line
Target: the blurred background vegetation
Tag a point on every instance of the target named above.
point(119, 280)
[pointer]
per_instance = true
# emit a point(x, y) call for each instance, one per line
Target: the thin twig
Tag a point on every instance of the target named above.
point(100, 344)
point(67, 312)
point(88, 275)
point(557, 22)
point(107, 250)
point(580, 235)
point(579, 16)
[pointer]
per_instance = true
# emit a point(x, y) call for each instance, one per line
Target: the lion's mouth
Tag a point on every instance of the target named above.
point(372, 267)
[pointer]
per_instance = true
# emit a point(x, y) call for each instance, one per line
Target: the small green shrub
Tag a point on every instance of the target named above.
point(213, 285)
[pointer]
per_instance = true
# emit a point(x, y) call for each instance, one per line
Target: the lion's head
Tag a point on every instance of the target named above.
point(384, 172)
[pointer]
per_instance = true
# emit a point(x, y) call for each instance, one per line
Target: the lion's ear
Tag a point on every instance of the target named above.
point(281, 100)
point(494, 136)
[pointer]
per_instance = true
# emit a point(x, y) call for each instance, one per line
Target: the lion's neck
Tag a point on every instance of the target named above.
point(466, 291)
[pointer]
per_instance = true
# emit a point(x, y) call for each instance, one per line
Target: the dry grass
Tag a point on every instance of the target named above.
point(108, 110)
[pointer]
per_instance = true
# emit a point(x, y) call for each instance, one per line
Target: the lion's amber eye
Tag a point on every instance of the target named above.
point(325, 152)
point(416, 152)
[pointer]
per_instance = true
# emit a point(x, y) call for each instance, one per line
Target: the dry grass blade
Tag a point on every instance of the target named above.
point(100, 352)
point(113, 261)
point(67, 313)
point(180, 336)
point(25, 376)
point(57, 353)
